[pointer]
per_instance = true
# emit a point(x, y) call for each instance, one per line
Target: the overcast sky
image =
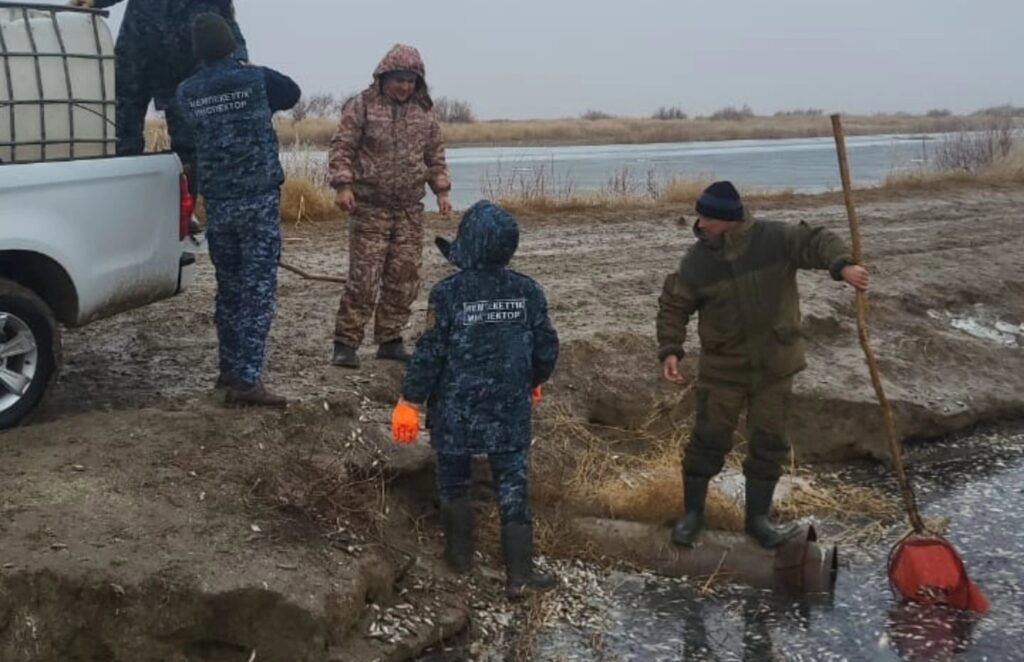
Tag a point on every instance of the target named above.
point(558, 58)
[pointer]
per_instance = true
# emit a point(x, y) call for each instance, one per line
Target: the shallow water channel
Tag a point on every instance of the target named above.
point(976, 480)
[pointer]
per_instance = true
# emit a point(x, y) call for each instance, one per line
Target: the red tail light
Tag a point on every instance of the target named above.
point(186, 206)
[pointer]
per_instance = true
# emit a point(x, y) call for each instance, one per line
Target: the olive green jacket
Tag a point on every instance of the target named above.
point(743, 287)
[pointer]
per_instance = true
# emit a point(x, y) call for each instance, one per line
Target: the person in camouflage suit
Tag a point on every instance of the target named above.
point(387, 147)
point(230, 106)
point(153, 55)
point(488, 344)
point(740, 279)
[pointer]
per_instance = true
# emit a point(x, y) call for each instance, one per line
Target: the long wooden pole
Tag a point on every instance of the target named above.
point(309, 276)
point(865, 342)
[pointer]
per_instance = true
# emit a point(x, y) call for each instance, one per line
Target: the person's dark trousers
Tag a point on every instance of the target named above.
point(244, 235)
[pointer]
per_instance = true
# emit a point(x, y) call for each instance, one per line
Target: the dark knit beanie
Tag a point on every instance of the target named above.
point(720, 201)
point(211, 38)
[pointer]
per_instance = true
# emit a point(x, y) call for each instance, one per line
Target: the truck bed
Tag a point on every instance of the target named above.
point(110, 226)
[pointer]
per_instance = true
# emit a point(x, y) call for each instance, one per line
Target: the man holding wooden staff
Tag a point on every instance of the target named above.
point(740, 279)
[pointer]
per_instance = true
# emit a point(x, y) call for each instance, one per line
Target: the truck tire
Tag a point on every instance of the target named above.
point(29, 352)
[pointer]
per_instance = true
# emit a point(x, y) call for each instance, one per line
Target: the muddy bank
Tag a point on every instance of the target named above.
point(191, 536)
point(142, 521)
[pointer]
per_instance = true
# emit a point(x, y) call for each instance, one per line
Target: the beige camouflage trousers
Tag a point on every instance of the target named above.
point(385, 254)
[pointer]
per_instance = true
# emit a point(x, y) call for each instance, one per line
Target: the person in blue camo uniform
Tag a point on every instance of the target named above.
point(488, 347)
point(230, 106)
point(153, 55)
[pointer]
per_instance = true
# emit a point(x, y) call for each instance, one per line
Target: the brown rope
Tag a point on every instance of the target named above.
point(862, 331)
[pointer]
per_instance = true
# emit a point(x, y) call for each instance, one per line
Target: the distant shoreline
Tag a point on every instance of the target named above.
point(317, 132)
point(931, 137)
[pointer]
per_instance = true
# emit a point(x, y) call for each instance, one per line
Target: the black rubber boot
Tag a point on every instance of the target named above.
point(457, 522)
point(521, 577)
point(689, 526)
point(759, 524)
point(393, 350)
point(344, 356)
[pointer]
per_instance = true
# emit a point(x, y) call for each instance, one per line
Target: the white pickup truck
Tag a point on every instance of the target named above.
point(80, 238)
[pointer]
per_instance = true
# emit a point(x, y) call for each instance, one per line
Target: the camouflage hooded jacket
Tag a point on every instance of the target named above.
point(744, 291)
point(386, 151)
point(488, 341)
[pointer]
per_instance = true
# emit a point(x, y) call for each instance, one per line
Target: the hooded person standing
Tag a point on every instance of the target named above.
point(153, 55)
point(387, 148)
point(478, 370)
point(740, 280)
point(230, 106)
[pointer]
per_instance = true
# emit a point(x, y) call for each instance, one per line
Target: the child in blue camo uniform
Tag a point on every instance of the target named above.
point(478, 367)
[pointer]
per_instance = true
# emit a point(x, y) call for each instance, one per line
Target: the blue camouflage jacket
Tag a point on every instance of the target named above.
point(489, 341)
point(230, 106)
point(160, 33)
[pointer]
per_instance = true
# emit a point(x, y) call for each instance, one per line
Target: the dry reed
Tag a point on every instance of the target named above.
point(1007, 169)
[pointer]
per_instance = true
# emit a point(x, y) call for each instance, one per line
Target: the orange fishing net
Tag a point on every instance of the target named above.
point(927, 570)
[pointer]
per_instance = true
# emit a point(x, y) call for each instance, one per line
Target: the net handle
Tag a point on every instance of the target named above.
point(909, 501)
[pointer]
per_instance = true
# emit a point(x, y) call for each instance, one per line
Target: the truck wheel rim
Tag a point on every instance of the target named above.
point(19, 359)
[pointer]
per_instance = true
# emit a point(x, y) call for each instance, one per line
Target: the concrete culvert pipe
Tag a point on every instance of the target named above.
point(800, 568)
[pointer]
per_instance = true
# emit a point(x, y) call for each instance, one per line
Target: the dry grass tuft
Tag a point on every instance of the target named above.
point(306, 194)
point(650, 490)
point(541, 190)
point(990, 154)
point(323, 494)
point(683, 191)
point(580, 470)
point(1007, 169)
point(302, 200)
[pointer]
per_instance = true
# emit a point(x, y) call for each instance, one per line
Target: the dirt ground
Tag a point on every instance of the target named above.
point(140, 520)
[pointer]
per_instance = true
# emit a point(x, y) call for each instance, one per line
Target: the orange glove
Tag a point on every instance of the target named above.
point(535, 395)
point(405, 423)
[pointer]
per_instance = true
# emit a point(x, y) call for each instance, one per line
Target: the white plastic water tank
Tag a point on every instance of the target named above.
point(56, 84)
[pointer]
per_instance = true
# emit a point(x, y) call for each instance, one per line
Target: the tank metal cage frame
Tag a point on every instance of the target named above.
point(108, 140)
